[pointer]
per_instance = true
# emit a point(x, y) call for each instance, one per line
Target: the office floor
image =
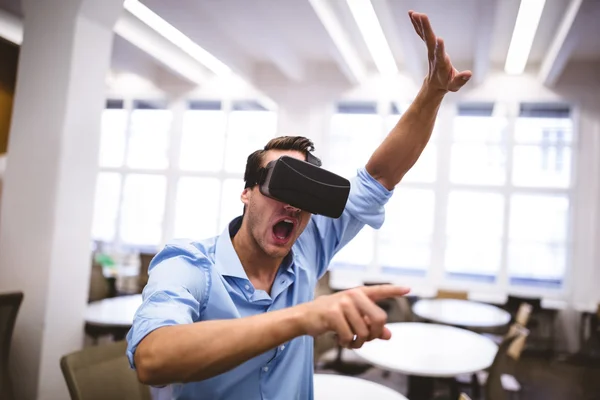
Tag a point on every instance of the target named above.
point(540, 378)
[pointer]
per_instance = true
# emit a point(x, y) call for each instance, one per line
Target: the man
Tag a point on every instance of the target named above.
point(233, 317)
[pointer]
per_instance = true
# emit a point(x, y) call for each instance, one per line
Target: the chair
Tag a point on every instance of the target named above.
point(102, 373)
point(495, 380)
point(452, 294)
point(10, 303)
point(145, 260)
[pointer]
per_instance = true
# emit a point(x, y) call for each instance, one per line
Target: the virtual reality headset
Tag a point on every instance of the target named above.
point(304, 185)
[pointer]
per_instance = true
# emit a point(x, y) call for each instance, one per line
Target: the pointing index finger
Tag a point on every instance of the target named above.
point(380, 292)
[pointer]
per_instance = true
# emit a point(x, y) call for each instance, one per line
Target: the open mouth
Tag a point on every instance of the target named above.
point(283, 229)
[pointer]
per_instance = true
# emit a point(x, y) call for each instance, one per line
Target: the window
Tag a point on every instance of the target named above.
point(488, 201)
point(478, 154)
point(356, 131)
point(158, 182)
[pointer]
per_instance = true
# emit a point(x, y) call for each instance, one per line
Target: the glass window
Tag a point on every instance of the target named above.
point(474, 233)
point(358, 253)
point(231, 204)
point(542, 154)
point(149, 138)
point(249, 130)
point(356, 131)
point(404, 240)
point(203, 138)
point(478, 155)
point(143, 209)
point(112, 137)
point(106, 206)
point(196, 208)
point(538, 233)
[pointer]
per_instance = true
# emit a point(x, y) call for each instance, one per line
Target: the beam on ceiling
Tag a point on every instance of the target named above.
point(561, 47)
point(398, 28)
point(346, 57)
point(485, 26)
point(147, 39)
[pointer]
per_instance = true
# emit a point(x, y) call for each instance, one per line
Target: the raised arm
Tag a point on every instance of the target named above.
point(404, 144)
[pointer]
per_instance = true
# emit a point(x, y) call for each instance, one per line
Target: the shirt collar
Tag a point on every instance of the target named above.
point(227, 260)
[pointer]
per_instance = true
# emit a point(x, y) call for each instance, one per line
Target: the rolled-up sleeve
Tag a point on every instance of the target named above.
point(176, 293)
point(365, 206)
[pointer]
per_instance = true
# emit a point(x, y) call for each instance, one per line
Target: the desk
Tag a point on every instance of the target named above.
point(113, 312)
point(465, 313)
point(425, 351)
point(329, 387)
point(112, 316)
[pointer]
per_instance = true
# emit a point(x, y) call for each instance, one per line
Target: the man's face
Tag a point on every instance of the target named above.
point(273, 225)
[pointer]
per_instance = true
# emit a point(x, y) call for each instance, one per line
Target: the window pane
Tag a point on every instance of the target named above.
point(473, 256)
point(536, 262)
point(483, 130)
point(196, 208)
point(404, 240)
point(474, 228)
point(353, 139)
point(542, 166)
point(538, 218)
point(149, 139)
point(112, 137)
point(538, 234)
point(143, 209)
point(203, 140)
point(478, 164)
point(475, 214)
point(106, 206)
point(248, 131)
point(544, 130)
point(358, 253)
point(479, 150)
point(231, 204)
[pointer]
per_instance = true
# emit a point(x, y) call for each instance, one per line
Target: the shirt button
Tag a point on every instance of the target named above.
point(247, 287)
point(265, 369)
point(282, 347)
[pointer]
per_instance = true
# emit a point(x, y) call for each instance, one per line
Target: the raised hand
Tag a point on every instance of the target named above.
point(442, 74)
point(351, 314)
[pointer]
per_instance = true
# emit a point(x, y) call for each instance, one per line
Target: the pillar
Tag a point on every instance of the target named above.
point(46, 210)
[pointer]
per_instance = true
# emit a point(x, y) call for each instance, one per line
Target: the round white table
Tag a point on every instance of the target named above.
point(329, 387)
point(115, 312)
point(425, 351)
point(465, 313)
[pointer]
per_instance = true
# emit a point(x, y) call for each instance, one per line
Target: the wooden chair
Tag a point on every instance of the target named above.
point(452, 294)
point(10, 303)
point(496, 381)
point(102, 373)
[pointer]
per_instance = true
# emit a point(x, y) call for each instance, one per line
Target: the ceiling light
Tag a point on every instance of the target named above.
point(370, 28)
point(176, 37)
point(528, 18)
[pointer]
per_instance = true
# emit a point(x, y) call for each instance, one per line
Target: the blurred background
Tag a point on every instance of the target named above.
point(124, 126)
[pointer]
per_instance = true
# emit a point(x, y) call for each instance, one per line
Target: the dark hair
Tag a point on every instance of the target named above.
point(255, 160)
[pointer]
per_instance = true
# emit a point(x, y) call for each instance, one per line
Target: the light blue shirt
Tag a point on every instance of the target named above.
point(199, 281)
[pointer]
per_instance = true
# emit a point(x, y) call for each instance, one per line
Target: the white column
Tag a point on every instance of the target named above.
point(50, 181)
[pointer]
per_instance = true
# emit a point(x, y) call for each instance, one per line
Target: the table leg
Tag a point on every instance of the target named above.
point(420, 388)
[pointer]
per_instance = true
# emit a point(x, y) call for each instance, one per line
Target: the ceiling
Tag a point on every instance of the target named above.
point(289, 37)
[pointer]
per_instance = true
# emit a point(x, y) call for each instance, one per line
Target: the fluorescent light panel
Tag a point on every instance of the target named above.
point(528, 19)
point(176, 37)
point(370, 28)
